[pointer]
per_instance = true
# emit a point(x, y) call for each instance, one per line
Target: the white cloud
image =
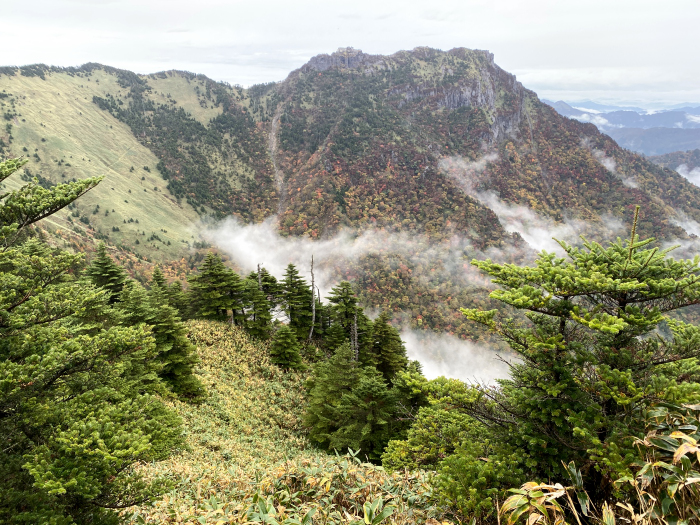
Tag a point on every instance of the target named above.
point(692, 175)
point(623, 61)
point(588, 110)
point(538, 231)
point(440, 354)
point(593, 119)
point(610, 165)
point(449, 356)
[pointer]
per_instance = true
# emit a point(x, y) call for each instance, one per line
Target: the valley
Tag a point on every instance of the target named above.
point(386, 289)
point(444, 147)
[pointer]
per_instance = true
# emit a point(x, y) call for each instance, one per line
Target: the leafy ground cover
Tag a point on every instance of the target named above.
point(248, 459)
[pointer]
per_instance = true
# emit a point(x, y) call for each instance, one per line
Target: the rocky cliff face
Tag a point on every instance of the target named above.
point(444, 87)
point(345, 57)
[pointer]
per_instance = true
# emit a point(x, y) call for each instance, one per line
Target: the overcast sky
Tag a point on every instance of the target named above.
point(644, 52)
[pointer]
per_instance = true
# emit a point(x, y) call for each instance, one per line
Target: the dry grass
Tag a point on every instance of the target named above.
point(249, 459)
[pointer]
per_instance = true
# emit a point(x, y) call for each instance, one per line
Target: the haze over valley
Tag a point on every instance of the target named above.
point(393, 171)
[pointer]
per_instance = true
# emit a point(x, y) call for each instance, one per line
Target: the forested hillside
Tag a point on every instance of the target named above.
point(115, 410)
point(442, 146)
point(691, 159)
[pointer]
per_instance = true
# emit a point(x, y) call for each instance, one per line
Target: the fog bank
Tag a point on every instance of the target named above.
point(450, 356)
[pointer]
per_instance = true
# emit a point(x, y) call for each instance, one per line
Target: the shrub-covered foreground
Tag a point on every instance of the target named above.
point(249, 459)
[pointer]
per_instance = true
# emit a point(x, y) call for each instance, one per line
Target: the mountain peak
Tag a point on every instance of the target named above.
point(344, 57)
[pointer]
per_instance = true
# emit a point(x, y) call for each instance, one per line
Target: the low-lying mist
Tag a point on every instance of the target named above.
point(435, 263)
point(693, 175)
point(449, 356)
point(538, 231)
point(251, 244)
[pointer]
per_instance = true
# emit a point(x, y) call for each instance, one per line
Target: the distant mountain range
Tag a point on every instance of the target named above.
point(444, 152)
point(648, 132)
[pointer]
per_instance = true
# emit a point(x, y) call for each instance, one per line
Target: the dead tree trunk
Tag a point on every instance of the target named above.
point(353, 335)
point(313, 299)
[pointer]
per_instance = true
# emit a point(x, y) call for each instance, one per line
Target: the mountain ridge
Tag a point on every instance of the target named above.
point(445, 146)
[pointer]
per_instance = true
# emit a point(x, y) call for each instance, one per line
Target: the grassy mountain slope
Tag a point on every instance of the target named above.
point(246, 438)
point(54, 122)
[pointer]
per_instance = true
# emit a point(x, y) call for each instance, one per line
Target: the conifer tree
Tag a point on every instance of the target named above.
point(158, 279)
point(351, 406)
point(107, 274)
point(591, 361)
point(178, 299)
point(215, 290)
point(77, 411)
point(297, 302)
point(387, 352)
point(348, 321)
point(365, 415)
point(175, 354)
point(258, 316)
point(330, 380)
point(284, 351)
point(271, 288)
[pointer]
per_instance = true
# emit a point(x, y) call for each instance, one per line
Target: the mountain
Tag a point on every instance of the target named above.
point(650, 133)
point(691, 159)
point(656, 141)
point(442, 147)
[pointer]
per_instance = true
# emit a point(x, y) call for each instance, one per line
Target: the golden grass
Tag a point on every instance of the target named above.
point(58, 119)
point(248, 451)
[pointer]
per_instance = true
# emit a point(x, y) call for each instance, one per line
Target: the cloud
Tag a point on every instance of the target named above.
point(688, 224)
point(610, 165)
point(251, 244)
point(599, 121)
point(538, 231)
point(590, 111)
point(693, 175)
point(695, 119)
point(449, 356)
point(466, 172)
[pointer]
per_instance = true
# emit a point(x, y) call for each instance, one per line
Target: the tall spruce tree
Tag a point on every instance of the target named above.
point(297, 302)
point(352, 406)
point(271, 288)
point(76, 413)
point(178, 299)
point(216, 289)
point(258, 316)
point(365, 415)
point(158, 279)
point(284, 350)
point(175, 354)
point(386, 352)
point(331, 379)
point(348, 321)
point(107, 274)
